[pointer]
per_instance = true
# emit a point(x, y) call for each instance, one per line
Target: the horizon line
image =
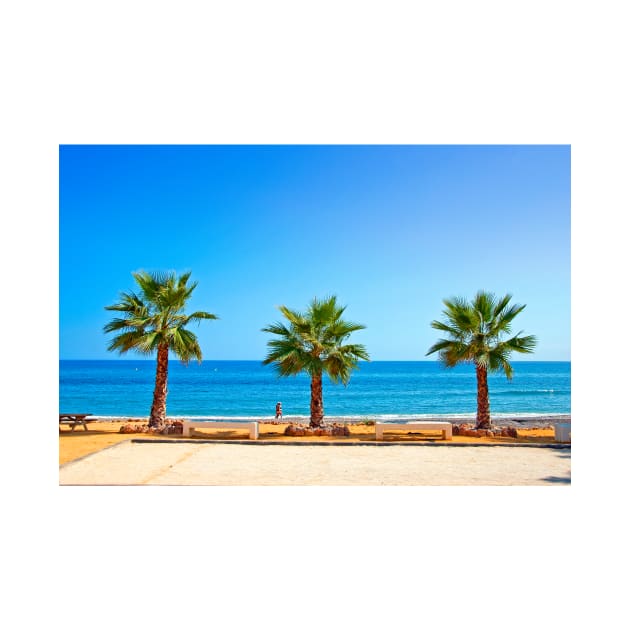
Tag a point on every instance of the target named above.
point(362, 361)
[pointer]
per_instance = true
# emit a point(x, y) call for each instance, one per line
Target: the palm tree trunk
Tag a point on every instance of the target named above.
point(158, 409)
point(483, 398)
point(317, 401)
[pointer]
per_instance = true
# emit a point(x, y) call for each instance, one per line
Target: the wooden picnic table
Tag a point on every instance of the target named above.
point(74, 419)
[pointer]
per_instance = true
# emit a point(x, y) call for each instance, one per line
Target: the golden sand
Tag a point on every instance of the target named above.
point(78, 443)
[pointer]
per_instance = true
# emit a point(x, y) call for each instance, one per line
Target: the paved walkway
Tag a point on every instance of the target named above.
point(255, 464)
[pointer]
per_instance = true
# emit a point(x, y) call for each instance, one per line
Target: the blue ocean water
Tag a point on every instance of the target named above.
point(244, 389)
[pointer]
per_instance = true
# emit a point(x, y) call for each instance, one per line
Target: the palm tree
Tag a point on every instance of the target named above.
point(154, 321)
point(475, 333)
point(314, 342)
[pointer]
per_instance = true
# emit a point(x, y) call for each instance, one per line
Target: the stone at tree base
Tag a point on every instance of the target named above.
point(334, 429)
point(170, 428)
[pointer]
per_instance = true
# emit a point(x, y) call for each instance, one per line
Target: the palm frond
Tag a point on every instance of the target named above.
point(356, 351)
point(440, 345)
point(313, 341)
point(340, 329)
point(474, 332)
point(277, 329)
point(197, 317)
point(500, 306)
point(499, 361)
point(149, 342)
point(460, 315)
point(524, 345)
point(338, 368)
point(156, 316)
point(295, 318)
point(128, 341)
point(484, 304)
point(119, 324)
point(150, 284)
point(185, 345)
point(450, 329)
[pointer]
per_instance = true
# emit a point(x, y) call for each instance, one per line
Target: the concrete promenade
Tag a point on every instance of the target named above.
point(256, 464)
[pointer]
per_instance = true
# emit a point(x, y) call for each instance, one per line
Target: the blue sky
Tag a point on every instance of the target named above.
point(390, 230)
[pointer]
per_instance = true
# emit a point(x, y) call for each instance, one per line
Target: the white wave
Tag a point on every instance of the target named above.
point(341, 418)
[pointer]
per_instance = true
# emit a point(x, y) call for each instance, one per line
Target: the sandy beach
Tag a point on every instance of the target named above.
point(103, 455)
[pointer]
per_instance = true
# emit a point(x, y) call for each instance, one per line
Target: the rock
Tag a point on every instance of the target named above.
point(133, 428)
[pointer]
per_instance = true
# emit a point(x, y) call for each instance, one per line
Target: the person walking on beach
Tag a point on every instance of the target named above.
point(279, 411)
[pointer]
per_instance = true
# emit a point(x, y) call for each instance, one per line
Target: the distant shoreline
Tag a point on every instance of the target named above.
point(517, 420)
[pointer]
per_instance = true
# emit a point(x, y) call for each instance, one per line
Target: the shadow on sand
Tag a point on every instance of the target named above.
point(563, 454)
point(561, 480)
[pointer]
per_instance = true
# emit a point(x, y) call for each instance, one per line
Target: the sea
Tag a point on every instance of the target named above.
point(378, 390)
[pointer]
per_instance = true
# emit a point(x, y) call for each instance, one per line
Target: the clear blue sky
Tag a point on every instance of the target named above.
point(390, 230)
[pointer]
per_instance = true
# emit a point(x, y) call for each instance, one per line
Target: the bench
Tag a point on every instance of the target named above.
point(189, 425)
point(74, 419)
point(445, 427)
point(562, 432)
